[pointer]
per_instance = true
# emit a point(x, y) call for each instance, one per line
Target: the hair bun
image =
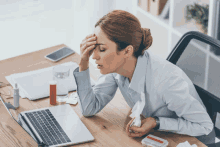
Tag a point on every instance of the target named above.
point(147, 39)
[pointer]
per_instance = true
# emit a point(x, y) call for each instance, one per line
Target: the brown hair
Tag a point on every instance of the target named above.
point(124, 29)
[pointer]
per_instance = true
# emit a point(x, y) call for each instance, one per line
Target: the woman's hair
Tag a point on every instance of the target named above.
point(124, 29)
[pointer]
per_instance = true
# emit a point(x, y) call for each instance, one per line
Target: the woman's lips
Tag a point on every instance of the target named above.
point(99, 66)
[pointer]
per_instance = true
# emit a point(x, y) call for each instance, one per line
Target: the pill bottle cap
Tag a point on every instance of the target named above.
point(53, 82)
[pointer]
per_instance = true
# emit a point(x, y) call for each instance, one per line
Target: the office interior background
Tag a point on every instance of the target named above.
point(31, 25)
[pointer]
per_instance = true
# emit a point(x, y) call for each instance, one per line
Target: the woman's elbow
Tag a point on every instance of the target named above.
point(209, 128)
point(87, 114)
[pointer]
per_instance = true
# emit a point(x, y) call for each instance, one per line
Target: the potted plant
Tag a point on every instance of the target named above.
point(200, 14)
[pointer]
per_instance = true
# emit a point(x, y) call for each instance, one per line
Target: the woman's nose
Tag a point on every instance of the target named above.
point(95, 55)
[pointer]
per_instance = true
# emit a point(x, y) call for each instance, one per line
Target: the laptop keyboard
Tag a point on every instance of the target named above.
point(48, 127)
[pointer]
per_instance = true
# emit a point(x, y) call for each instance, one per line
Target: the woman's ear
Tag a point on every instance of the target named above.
point(129, 50)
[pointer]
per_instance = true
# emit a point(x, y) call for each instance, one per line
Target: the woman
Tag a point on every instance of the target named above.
point(119, 46)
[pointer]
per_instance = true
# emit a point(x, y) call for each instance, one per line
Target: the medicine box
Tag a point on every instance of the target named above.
point(154, 141)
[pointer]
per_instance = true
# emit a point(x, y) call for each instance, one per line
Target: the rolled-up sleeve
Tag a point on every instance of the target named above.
point(94, 99)
point(193, 119)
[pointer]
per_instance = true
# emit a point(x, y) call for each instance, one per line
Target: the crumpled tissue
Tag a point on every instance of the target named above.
point(137, 110)
point(186, 144)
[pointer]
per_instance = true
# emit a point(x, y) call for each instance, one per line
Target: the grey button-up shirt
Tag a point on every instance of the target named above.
point(169, 94)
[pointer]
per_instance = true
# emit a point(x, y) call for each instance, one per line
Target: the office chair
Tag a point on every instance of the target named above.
point(194, 53)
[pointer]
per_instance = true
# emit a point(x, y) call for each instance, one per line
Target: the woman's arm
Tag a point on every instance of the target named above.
point(193, 119)
point(94, 99)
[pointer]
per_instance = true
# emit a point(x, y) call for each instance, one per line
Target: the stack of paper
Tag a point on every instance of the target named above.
point(35, 84)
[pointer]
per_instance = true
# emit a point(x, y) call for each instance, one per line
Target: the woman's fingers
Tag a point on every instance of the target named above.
point(86, 45)
point(92, 38)
point(140, 131)
point(87, 37)
point(88, 50)
point(90, 35)
point(137, 129)
point(137, 134)
point(88, 40)
point(128, 126)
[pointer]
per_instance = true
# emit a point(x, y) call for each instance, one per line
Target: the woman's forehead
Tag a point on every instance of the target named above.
point(102, 39)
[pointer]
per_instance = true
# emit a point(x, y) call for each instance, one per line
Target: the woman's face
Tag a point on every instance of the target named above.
point(105, 54)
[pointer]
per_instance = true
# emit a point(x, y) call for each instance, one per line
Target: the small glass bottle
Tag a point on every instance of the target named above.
point(16, 96)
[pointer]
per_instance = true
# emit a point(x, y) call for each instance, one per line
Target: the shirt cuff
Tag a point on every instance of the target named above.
point(82, 79)
point(168, 124)
point(76, 70)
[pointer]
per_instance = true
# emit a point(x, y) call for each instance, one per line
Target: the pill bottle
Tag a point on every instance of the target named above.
point(53, 92)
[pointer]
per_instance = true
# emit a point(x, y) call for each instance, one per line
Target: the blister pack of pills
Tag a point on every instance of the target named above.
point(154, 141)
point(72, 98)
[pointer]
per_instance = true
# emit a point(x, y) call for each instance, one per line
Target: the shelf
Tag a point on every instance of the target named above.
point(157, 19)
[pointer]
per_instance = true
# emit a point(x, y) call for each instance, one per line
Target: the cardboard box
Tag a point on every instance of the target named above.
point(156, 6)
point(145, 5)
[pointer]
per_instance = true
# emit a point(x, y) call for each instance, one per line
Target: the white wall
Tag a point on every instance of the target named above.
point(30, 25)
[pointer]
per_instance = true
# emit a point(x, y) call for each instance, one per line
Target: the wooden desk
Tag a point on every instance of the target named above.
point(107, 127)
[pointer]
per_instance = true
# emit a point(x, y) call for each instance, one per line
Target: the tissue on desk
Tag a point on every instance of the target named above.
point(137, 110)
point(186, 144)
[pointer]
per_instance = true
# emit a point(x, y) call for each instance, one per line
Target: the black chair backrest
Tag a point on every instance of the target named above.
point(197, 55)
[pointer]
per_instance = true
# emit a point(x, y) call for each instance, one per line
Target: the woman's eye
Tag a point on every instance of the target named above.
point(102, 50)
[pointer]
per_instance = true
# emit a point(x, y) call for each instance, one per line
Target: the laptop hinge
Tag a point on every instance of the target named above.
point(27, 128)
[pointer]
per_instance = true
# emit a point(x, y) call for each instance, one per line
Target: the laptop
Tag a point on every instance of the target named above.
point(53, 126)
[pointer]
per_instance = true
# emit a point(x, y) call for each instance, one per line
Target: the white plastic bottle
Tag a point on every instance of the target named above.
point(16, 96)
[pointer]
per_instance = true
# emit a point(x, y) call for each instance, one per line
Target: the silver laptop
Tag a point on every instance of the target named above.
point(53, 126)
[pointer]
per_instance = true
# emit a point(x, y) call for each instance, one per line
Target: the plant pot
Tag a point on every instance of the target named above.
point(199, 26)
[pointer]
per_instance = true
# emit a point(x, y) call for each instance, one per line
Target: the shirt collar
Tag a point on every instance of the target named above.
point(138, 78)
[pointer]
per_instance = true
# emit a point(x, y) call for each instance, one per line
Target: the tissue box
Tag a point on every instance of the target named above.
point(156, 6)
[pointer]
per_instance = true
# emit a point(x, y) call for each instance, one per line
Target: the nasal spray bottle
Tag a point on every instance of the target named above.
point(137, 110)
point(16, 96)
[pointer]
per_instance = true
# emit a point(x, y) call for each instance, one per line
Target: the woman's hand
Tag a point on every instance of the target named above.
point(146, 125)
point(86, 49)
